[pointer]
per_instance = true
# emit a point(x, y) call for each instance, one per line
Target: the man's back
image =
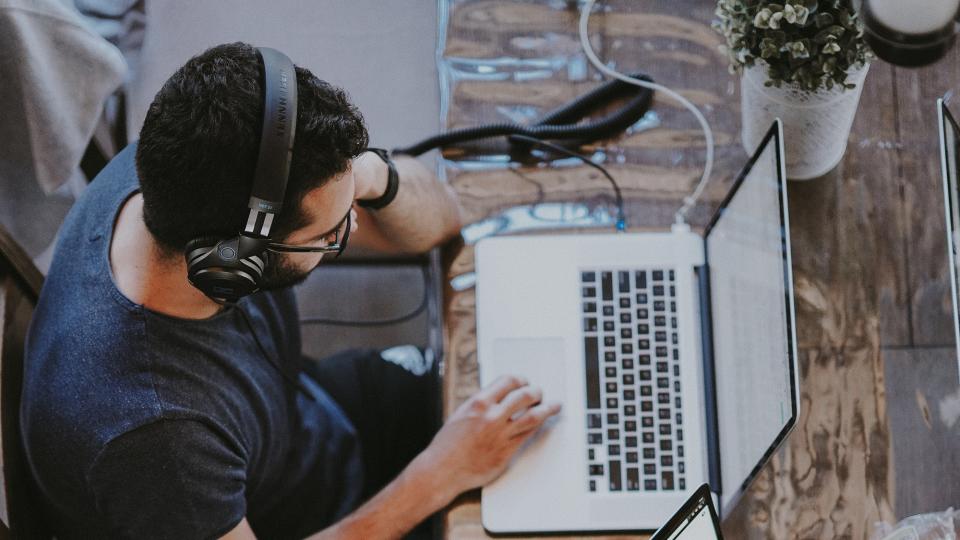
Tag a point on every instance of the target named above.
point(171, 427)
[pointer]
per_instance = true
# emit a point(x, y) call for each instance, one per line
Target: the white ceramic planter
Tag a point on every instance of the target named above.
point(816, 125)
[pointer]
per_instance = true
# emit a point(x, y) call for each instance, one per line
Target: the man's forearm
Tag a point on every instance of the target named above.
point(413, 496)
point(424, 213)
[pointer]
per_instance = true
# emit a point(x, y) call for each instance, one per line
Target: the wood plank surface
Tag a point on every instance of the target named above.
point(867, 245)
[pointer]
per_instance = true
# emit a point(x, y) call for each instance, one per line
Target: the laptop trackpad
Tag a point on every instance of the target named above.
point(539, 360)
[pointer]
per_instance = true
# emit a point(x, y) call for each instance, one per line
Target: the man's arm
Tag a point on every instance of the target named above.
point(472, 448)
point(425, 212)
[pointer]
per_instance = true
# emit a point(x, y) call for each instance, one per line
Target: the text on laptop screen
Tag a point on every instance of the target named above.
point(745, 250)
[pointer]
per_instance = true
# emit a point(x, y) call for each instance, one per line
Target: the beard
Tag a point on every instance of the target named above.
point(280, 274)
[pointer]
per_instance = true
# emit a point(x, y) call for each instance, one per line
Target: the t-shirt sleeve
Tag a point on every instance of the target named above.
point(170, 479)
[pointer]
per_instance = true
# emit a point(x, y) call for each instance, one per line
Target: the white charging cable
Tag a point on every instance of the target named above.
point(689, 201)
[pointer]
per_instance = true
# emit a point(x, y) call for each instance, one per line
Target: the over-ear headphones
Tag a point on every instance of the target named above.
point(228, 269)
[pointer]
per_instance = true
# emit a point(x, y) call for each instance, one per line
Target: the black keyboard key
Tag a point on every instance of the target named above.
point(659, 320)
point(624, 302)
point(609, 341)
point(676, 370)
point(673, 305)
point(629, 395)
point(646, 421)
point(673, 292)
point(679, 450)
point(676, 354)
point(643, 344)
point(646, 405)
point(662, 382)
point(611, 403)
point(614, 476)
point(623, 281)
point(679, 419)
point(630, 425)
point(641, 279)
point(626, 333)
point(590, 454)
point(593, 485)
point(682, 484)
point(589, 292)
point(588, 277)
point(664, 414)
point(649, 468)
point(666, 461)
point(647, 437)
point(650, 485)
point(594, 438)
point(631, 442)
point(665, 429)
point(594, 420)
point(613, 435)
point(627, 378)
point(679, 434)
point(625, 318)
point(680, 467)
point(606, 285)
point(660, 335)
point(643, 313)
point(610, 371)
point(613, 418)
point(626, 348)
point(645, 374)
point(596, 470)
point(613, 450)
point(676, 402)
point(659, 305)
point(673, 322)
point(611, 387)
point(633, 479)
point(627, 363)
point(632, 457)
point(589, 307)
point(607, 311)
point(608, 326)
point(676, 386)
point(658, 290)
point(666, 445)
point(666, 478)
point(643, 329)
point(646, 390)
point(590, 356)
point(589, 324)
point(658, 275)
point(610, 356)
point(662, 367)
point(674, 339)
point(671, 275)
point(661, 352)
point(644, 359)
point(641, 298)
point(649, 453)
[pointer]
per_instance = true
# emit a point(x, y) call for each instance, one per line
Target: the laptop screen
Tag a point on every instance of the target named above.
point(748, 253)
point(696, 520)
point(949, 147)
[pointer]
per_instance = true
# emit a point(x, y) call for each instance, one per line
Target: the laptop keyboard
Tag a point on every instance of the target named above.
point(634, 421)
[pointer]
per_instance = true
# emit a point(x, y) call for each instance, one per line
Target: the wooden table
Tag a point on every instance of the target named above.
point(878, 436)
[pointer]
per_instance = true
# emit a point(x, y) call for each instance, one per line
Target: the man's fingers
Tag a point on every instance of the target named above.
point(498, 389)
point(530, 421)
point(518, 401)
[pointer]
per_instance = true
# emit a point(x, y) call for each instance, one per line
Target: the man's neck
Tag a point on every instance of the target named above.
point(145, 276)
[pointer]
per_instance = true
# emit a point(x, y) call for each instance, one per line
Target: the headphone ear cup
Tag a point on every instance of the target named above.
point(213, 267)
point(204, 243)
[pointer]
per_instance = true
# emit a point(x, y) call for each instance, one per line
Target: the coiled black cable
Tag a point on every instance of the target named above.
point(559, 124)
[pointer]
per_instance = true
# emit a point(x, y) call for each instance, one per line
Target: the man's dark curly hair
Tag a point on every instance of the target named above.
point(200, 139)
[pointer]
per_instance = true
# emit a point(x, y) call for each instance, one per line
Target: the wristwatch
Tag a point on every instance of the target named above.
point(393, 182)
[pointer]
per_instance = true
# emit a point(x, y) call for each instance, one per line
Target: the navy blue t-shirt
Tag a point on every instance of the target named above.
point(138, 424)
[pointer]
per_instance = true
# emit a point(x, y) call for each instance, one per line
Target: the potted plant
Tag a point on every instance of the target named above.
point(803, 61)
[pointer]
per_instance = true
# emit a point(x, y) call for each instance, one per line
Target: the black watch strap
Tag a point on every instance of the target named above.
point(393, 183)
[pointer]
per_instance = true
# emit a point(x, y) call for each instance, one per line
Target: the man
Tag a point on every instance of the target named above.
point(152, 411)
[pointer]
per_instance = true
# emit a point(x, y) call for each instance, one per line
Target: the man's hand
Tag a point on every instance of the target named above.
point(476, 443)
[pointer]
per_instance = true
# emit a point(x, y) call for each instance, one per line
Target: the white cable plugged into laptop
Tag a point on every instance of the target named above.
point(689, 201)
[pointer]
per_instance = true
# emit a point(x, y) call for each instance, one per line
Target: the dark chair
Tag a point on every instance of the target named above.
point(20, 283)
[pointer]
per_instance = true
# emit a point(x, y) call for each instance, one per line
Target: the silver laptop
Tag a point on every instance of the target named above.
point(673, 354)
point(949, 147)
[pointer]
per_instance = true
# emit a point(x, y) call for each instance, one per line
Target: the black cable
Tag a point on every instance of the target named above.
point(559, 124)
point(621, 216)
point(379, 322)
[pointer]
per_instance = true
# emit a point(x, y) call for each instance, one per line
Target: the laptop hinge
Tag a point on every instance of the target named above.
point(709, 381)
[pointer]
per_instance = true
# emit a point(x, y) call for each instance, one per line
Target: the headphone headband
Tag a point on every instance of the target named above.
point(276, 141)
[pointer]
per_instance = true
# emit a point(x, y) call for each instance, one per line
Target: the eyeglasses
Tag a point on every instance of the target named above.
point(339, 242)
